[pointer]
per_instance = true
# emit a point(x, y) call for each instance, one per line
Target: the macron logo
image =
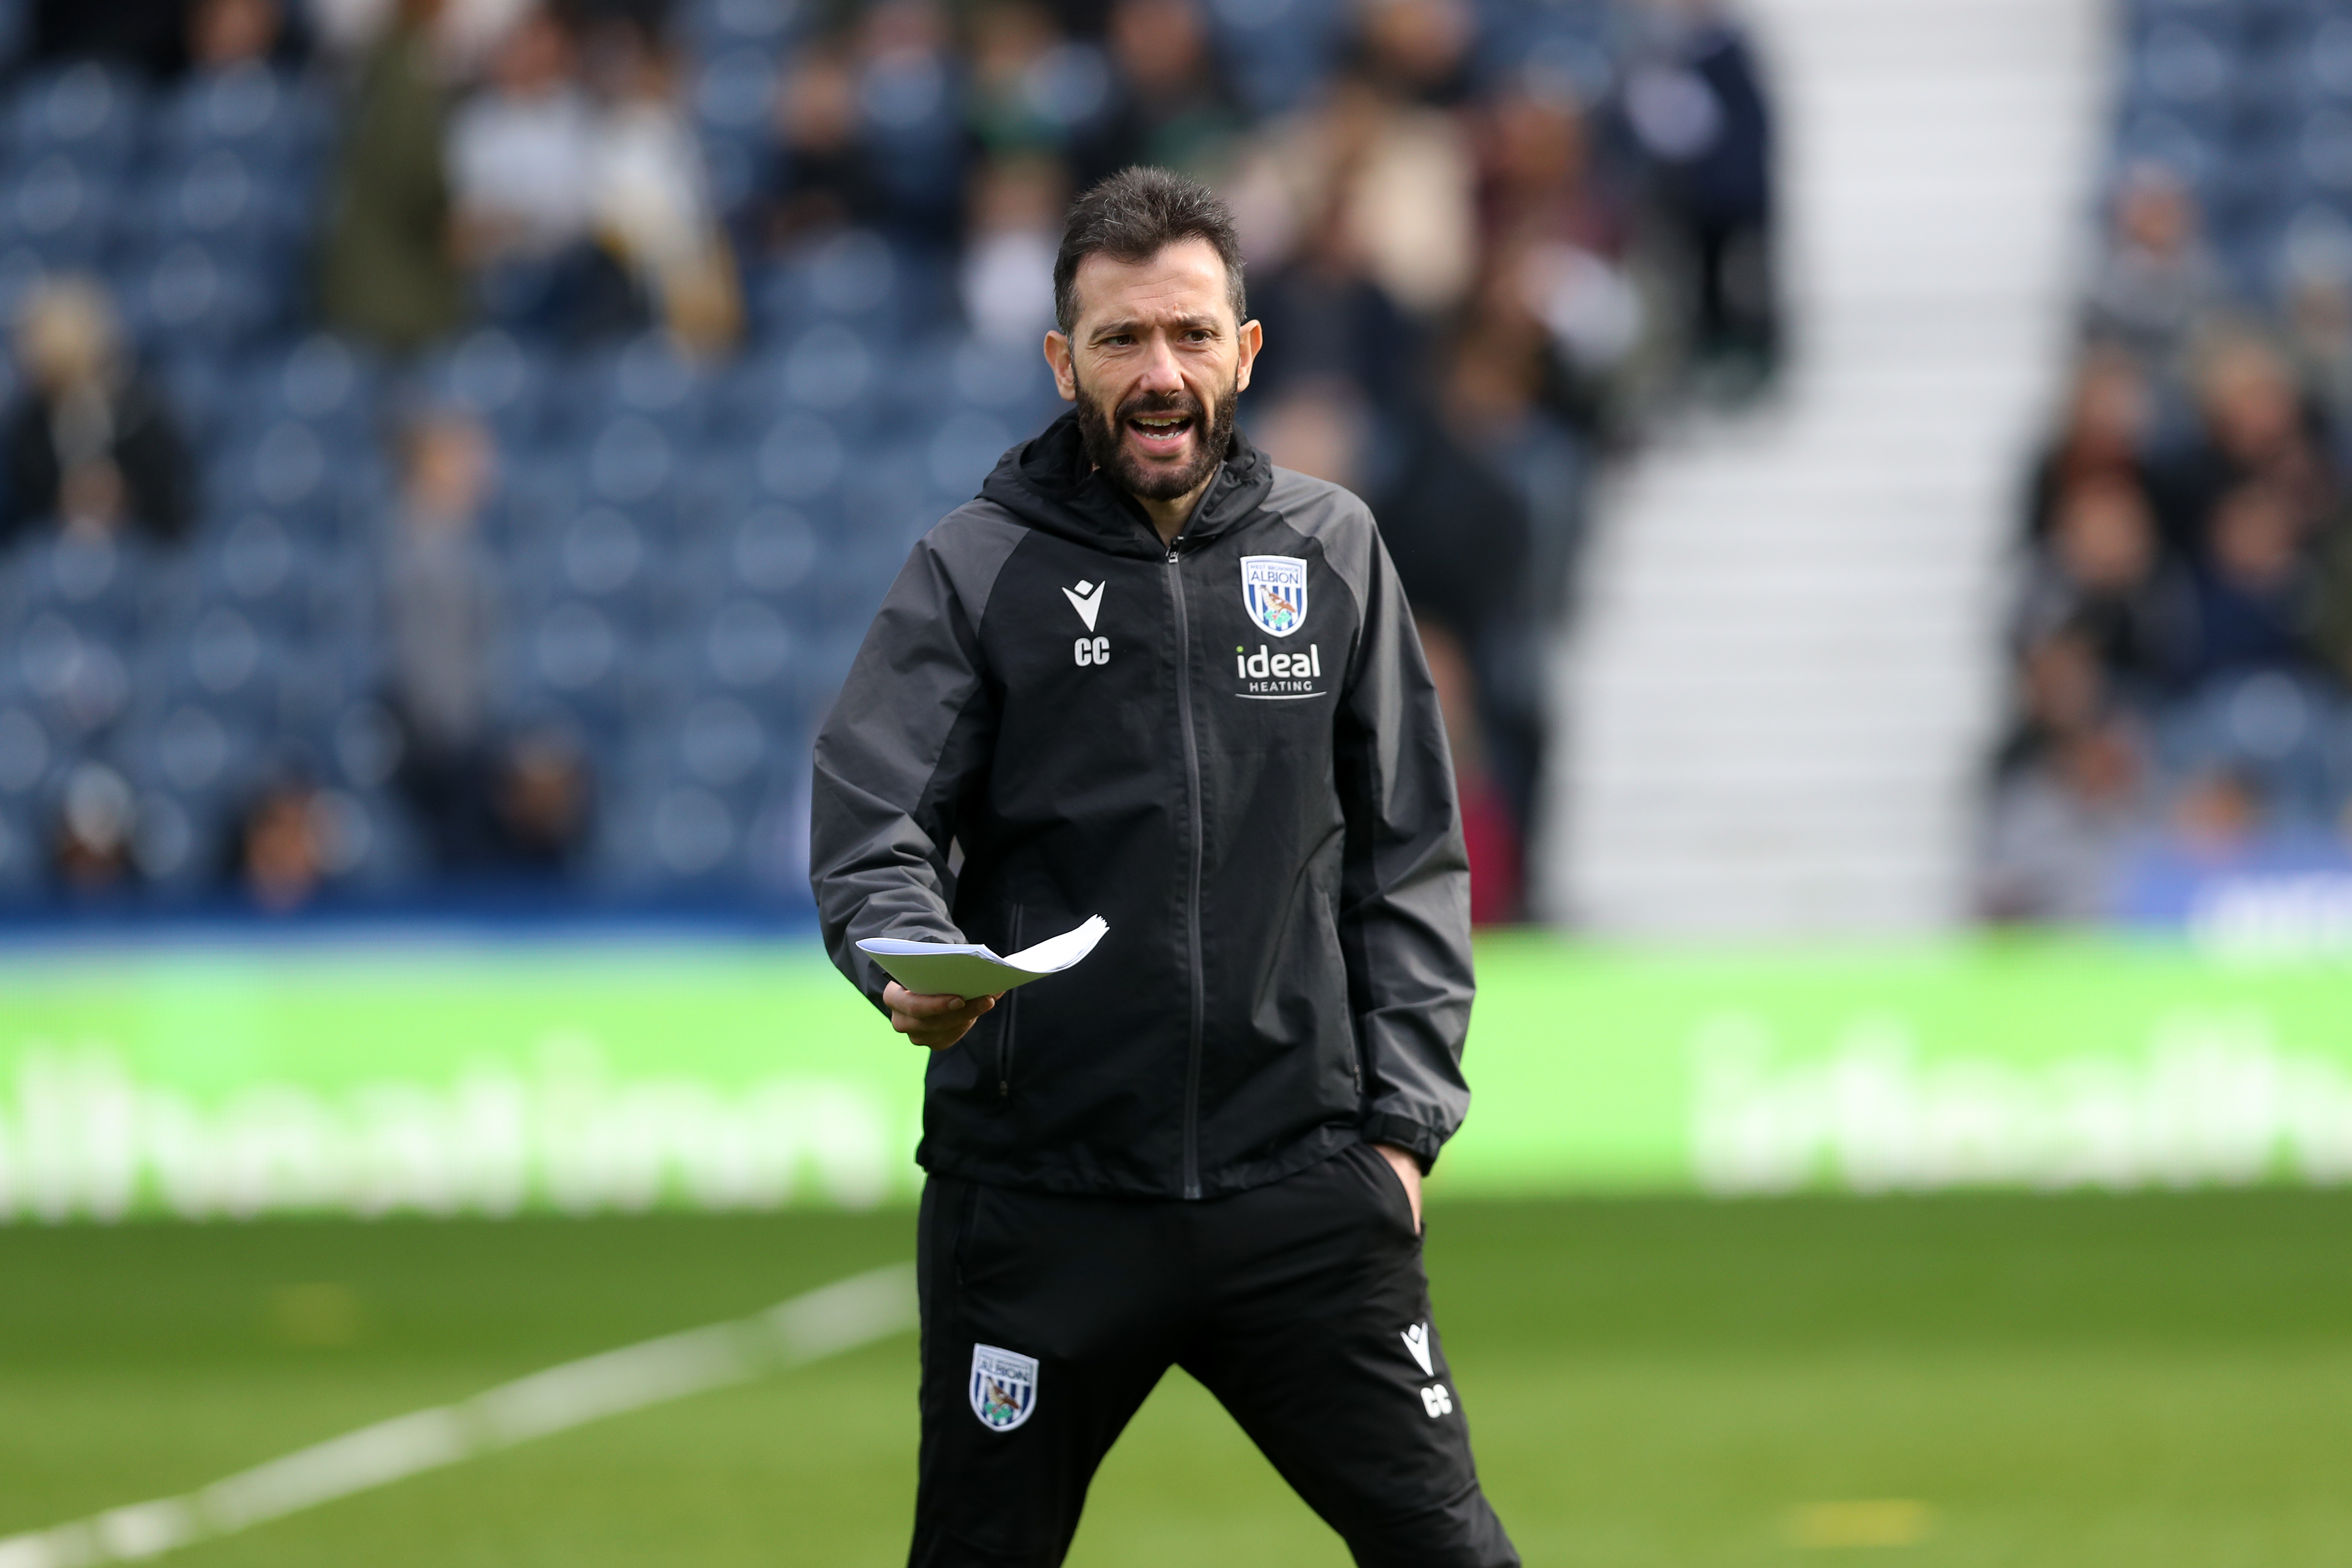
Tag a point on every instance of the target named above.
point(1087, 600)
point(1416, 1340)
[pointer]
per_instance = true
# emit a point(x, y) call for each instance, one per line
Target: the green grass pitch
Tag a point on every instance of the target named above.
point(2076, 1382)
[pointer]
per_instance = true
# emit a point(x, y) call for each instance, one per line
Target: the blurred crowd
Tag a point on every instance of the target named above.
point(455, 444)
point(2181, 631)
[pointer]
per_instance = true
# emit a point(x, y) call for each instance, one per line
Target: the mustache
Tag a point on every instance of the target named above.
point(1181, 403)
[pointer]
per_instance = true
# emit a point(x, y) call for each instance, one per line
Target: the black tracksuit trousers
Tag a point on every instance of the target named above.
point(1301, 1305)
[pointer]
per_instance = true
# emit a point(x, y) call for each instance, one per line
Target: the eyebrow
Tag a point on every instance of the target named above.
point(1182, 323)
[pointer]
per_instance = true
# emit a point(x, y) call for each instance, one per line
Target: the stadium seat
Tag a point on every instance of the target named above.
point(221, 656)
point(264, 114)
point(320, 381)
point(963, 450)
point(631, 463)
point(493, 376)
point(93, 582)
point(956, 372)
point(192, 749)
point(646, 379)
point(2275, 728)
point(258, 565)
point(91, 112)
point(715, 29)
point(735, 89)
point(571, 662)
point(61, 209)
point(857, 279)
point(24, 866)
point(283, 469)
point(801, 458)
point(30, 755)
point(196, 297)
point(1275, 50)
point(599, 557)
point(180, 842)
point(224, 198)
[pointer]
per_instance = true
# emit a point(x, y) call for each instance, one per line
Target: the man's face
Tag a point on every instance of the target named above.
point(1155, 363)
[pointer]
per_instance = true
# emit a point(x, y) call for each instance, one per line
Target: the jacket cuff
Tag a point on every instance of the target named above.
point(1418, 1139)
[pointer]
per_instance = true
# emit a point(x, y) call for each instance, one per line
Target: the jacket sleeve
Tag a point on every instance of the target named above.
point(1404, 902)
point(907, 740)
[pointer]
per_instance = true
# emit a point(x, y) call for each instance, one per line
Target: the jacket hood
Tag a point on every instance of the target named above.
point(1048, 483)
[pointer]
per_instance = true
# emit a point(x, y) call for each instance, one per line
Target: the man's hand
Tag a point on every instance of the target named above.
point(1408, 1170)
point(940, 1021)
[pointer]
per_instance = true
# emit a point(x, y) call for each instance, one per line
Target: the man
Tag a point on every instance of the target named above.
point(1148, 674)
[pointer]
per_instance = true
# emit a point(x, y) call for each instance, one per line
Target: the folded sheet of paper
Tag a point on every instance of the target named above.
point(948, 969)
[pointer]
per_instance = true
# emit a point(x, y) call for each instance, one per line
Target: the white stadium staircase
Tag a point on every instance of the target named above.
point(1772, 709)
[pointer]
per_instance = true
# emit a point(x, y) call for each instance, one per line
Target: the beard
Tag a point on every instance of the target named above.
point(1100, 430)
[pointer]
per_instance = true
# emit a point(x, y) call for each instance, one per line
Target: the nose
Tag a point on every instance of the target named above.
point(1158, 371)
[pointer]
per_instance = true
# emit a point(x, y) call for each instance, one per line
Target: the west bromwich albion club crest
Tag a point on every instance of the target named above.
point(1274, 588)
point(1003, 1387)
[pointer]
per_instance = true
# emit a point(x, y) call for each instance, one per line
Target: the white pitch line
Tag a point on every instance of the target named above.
point(823, 1322)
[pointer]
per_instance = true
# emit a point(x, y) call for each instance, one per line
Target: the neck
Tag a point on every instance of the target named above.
point(1170, 517)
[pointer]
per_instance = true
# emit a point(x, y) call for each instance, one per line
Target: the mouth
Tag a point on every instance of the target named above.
point(1160, 433)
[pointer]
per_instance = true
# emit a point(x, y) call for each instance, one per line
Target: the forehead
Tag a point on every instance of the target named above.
point(1182, 281)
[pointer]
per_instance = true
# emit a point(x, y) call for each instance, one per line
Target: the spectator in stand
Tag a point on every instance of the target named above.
point(2218, 815)
point(1698, 108)
point(286, 845)
point(2156, 283)
point(542, 805)
point(1458, 530)
point(144, 36)
point(2257, 426)
point(1321, 427)
point(1327, 318)
point(1419, 50)
point(824, 178)
point(90, 852)
point(1032, 88)
point(91, 441)
point(1555, 248)
point(390, 274)
point(523, 170)
point(909, 96)
point(1006, 276)
point(442, 626)
point(652, 196)
point(2102, 572)
point(2061, 691)
point(2254, 590)
point(228, 35)
point(2062, 828)
point(1369, 182)
point(2318, 317)
point(1508, 404)
point(1490, 831)
point(1172, 109)
point(2102, 439)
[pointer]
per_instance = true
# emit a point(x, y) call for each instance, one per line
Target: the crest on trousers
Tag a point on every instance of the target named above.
point(1273, 589)
point(1003, 1387)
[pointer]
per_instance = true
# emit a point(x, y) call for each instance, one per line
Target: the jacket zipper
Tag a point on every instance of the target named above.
point(1004, 1031)
point(1193, 887)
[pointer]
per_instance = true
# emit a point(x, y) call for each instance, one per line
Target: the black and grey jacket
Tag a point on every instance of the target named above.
point(1230, 749)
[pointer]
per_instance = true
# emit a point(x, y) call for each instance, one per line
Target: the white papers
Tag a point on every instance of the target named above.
point(950, 969)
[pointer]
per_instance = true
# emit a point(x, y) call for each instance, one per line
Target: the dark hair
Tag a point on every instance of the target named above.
point(1134, 215)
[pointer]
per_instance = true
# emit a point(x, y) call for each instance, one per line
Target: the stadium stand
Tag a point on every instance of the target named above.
point(2177, 641)
point(541, 612)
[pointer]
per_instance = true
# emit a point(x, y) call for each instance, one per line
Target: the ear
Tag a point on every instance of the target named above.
point(1251, 338)
point(1065, 375)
